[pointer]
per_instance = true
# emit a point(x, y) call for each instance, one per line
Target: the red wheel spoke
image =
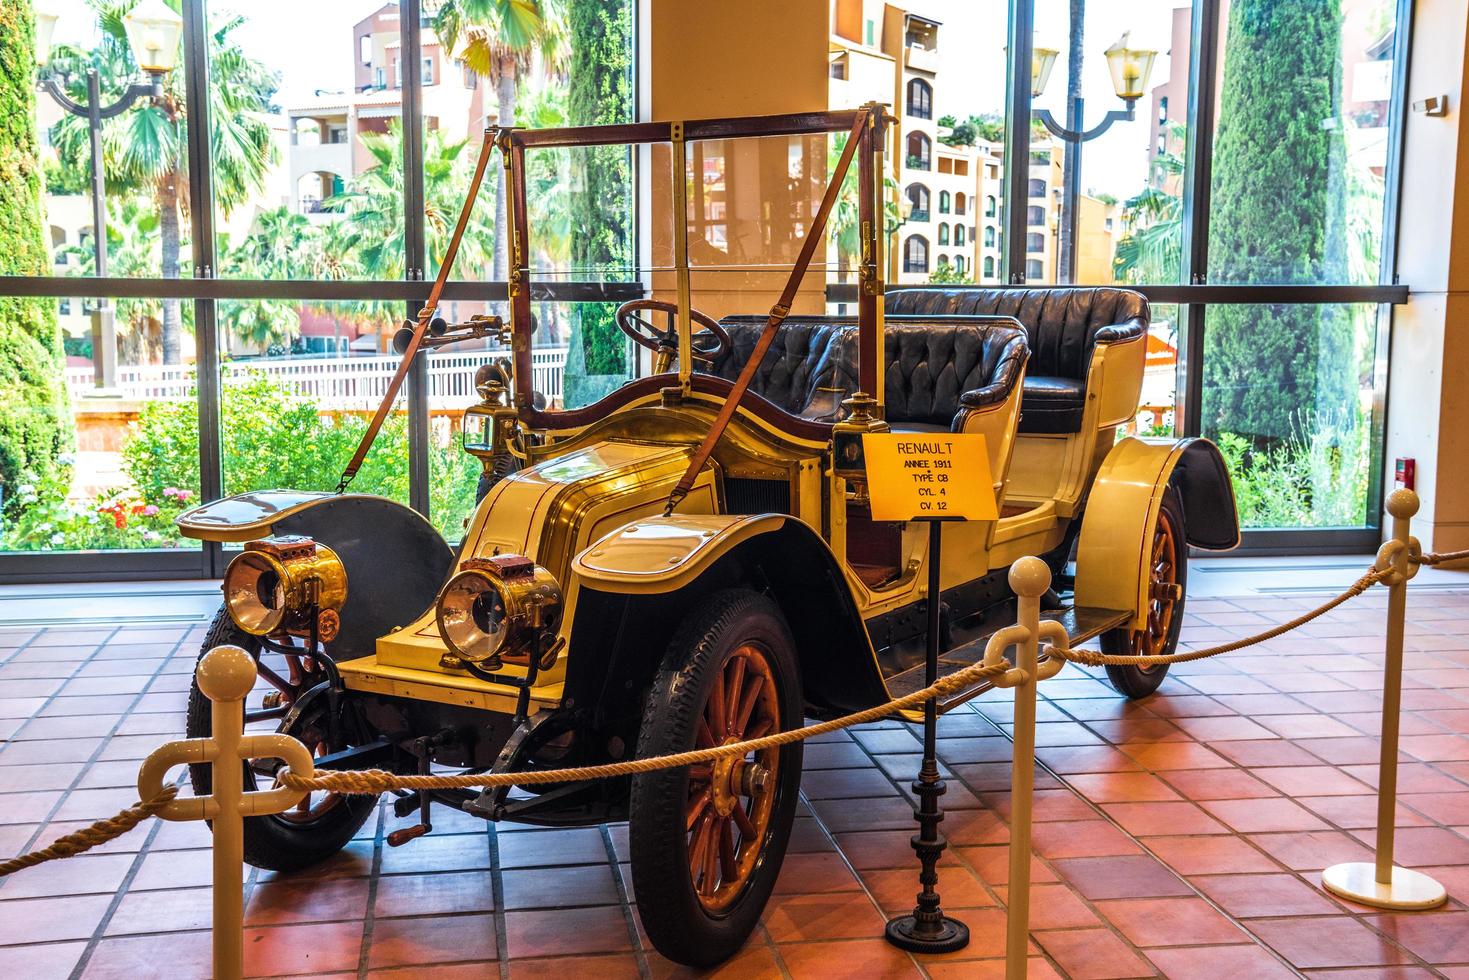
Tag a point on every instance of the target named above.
point(735, 686)
point(729, 870)
point(752, 692)
point(760, 729)
point(711, 857)
point(742, 820)
point(695, 809)
point(704, 738)
point(714, 709)
point(700, 844)
point(700, 774)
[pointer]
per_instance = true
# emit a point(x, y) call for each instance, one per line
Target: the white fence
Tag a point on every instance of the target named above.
point(342, 383)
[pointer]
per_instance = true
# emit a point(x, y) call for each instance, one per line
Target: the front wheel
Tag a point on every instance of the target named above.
point(1167, 572)
point(707, 841)
point(323, 823)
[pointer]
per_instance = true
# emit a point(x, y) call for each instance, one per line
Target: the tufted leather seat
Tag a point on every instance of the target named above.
point(936, 369)
point(1062, 324)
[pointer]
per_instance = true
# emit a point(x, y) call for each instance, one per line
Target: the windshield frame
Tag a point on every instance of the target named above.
point(513, 144)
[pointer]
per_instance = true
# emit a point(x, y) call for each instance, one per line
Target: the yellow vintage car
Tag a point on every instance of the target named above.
point(691, 558)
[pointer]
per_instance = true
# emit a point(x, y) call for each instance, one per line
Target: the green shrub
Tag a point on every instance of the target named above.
point(1317, 477)
point(269, 438)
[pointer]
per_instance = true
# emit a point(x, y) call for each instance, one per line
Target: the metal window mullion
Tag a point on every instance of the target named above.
point(415, 259)
point(201, 228)
point(1017, 137)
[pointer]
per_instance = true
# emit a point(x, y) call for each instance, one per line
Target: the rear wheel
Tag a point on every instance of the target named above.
point(1167, 572)
point(322, 823)
point(707, 841)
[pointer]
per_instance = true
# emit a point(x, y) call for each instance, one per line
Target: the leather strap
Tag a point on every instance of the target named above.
point(778, 313)
point(424, 315)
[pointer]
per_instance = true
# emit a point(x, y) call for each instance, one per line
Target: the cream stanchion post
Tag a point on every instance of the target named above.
point(1029, 580)
point(1381, 884)
point(226, 675)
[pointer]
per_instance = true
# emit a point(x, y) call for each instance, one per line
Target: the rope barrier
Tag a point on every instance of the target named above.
point(375, 781)
point(97, 834)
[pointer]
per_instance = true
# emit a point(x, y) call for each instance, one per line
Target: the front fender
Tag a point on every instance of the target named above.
point(667, 563)
point(395, 560)
point(1122, 514)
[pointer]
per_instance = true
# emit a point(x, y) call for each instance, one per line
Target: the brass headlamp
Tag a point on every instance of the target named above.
point(497, 609)
point(279, 583)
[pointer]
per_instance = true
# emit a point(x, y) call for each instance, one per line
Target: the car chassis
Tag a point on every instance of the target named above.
point(684, 563)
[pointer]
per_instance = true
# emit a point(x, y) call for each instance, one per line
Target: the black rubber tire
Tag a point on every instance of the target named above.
point(1139, 682)
point(674, 919)
point(271, 842)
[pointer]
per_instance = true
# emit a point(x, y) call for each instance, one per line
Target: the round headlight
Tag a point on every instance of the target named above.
point(255, 594)
point(275, 583)
point(494, 608)
point(472, 616)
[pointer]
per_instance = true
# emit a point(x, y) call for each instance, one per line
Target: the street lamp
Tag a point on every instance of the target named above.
point(1130, 69)
point(153, 32)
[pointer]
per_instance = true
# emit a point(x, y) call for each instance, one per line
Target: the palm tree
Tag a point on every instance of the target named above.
point(371, 230)
point(145, 149)
point(500, 40)
point(1151, 250)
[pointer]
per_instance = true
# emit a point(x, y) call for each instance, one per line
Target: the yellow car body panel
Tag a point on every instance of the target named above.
point(662, 554)
point(1112, 557)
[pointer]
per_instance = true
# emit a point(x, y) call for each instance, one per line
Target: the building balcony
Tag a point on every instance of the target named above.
point(921, 59)
point(323, 158)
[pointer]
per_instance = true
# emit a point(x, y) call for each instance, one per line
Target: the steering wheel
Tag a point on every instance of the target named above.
point(664, 342)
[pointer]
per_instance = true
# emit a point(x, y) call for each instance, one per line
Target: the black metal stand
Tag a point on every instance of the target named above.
point(926, 929)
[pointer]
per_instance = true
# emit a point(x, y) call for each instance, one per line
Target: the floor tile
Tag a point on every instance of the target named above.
point(1219, 963)
point(1181, 921)
point(436, 939)
point(1093, 954)
point(1247, 896)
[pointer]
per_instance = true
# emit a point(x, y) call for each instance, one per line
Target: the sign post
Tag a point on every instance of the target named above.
point(933, 477)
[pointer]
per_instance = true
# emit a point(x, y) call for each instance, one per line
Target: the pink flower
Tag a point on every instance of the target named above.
point(171, 491)
point(150, 511)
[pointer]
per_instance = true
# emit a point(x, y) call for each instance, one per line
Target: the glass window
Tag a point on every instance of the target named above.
point(943, 202)
point(1289, 401)
point(959, 200)
point(943, 233)
point(307, 150)
point(89, 469)
point(990, 206)
point(1300, 145)
point(958, 234)
point(915, 254)
point(1035, 216)
point(919, 148)
point(989, 266)
point(989, 236)
point(1118, 216)
point(1033, 270)
point(920, 99)
point(918, 198)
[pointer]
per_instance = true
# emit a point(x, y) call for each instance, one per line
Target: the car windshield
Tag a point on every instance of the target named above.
point(602, 226)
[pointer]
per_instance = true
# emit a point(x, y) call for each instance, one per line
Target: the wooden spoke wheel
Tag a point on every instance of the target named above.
point(707, 841)
point(1167, 573)
point(322, 823)
point(729, 805)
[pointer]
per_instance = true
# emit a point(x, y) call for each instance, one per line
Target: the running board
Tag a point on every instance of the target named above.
point(1081, 623)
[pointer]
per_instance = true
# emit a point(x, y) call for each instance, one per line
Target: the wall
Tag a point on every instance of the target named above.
point(1428, 383)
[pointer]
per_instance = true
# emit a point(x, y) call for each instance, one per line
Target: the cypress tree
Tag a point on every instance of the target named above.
point(34, 423)
point(1276, 216)
point(601, 246)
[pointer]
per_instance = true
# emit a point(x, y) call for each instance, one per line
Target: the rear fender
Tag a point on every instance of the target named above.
point(663, 565)
point(395, 560)
point(1122, 515)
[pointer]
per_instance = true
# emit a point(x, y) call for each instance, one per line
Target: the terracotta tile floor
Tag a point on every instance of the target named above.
point(1180, 836)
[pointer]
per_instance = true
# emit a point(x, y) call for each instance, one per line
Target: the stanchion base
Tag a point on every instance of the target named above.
point(904, 933)
point(1409, 889)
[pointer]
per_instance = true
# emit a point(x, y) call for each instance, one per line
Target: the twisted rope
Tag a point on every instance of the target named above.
point(1442, 557)
point(374, 781)
point(89, 837)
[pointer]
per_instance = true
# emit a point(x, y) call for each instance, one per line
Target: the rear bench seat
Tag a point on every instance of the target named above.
point(937, 368)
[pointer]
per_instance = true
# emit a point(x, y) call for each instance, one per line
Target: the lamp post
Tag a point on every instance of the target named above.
point(1130, 69)
point(153, 32)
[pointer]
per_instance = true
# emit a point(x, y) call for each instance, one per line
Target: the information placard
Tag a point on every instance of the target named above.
point(926, 475)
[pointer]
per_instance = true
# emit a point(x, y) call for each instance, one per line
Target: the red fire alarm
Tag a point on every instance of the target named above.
point(1405, 473)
